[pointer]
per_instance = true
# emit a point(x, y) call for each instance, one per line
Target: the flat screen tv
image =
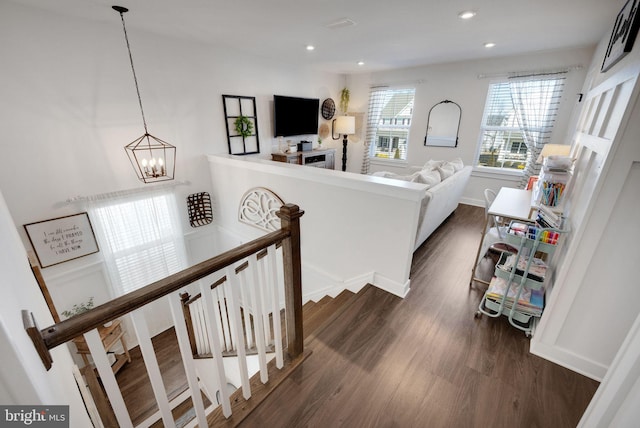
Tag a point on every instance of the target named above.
point(295, 116)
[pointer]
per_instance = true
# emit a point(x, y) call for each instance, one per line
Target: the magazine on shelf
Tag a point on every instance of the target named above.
point(537, 270)
point(530, 302)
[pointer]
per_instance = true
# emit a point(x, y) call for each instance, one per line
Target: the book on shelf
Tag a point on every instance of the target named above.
point(549, 218)
point(537, 269)
point(531, 302)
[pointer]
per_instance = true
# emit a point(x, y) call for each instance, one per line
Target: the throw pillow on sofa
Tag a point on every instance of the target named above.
point(431, 164)
point(430, 178)
point(446, 170)
point(457, 164)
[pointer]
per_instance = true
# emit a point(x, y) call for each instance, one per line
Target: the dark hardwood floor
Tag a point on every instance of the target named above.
point(422, 361)
point(425, 361)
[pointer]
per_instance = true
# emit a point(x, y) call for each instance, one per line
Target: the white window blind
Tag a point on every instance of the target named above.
point(388, 123)
point(140, 237)
point(518, 120)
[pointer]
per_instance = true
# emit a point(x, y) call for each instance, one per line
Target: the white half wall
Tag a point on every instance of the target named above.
point(356, 229)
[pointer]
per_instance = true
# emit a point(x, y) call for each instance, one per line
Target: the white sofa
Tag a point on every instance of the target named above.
point(442, 195)
point(440, 201)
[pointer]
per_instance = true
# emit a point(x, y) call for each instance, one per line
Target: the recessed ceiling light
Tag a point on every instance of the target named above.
point(467, 14)
point(360, 62)
point(310, 47)
point(489, 45)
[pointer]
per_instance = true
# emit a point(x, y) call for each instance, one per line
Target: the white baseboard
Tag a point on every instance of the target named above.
point(390, 286)
point(318, 283)
point(471, 201)
point(569, 360)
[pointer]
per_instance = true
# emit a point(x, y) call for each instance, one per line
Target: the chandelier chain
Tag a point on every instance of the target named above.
point(135, 78)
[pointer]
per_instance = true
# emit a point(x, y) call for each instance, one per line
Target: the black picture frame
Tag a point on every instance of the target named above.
point(623, 35)
point(454, 117)
point(236, 106)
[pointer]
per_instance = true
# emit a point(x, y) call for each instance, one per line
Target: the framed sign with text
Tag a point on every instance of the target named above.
point(623, 34)
point(62, 239)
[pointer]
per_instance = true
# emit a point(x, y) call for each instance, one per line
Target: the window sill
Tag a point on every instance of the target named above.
point(394, 162)
point(496, 173)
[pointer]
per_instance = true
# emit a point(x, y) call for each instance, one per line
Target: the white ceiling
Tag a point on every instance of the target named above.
point(387, 34)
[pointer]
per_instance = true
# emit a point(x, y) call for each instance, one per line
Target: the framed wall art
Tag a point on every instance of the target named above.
point(62, 239)
point(623, 34)
point(241, 119)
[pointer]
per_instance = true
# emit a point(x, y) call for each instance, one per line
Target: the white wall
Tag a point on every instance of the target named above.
point(595, 301)
point(23, 378)
point(69, 107)
point(459, 82)
point(356, 229)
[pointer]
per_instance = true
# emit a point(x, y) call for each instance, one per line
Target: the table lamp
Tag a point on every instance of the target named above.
point(553, 150)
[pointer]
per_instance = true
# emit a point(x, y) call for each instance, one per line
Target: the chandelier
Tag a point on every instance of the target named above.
point(152, 158)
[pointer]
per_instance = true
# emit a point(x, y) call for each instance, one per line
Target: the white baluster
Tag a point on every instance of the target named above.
point(232, 282)
point(111, 387)
point(236, 340)
point(151, 362)
point(273, 287)
point(210, 315)
point(266, 297)
point(257, 316)
point(187, 357)
point(226, 317)
point(246, 306)
point(221, 315)
point(202, 328)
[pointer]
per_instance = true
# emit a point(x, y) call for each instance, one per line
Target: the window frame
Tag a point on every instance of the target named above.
point(392, 124)
point(495, 171)
point(114, 256)
point(492, 171)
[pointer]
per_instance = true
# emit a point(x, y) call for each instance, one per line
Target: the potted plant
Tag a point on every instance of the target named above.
point(78, 308)
point(344, 100)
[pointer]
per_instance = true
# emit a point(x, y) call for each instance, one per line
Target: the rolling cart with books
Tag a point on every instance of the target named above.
point(518, 286)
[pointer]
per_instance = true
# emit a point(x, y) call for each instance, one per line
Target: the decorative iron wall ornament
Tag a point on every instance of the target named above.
point(258, 208)
point(199, 206)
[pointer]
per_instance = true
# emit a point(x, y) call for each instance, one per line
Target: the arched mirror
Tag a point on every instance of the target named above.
point(443, 124)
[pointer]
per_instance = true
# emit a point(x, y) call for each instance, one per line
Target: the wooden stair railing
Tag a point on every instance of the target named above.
point(200, 347)
point(193, 315)
point(86, 323)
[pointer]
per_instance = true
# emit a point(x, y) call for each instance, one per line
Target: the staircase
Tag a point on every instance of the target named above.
point(317, 316)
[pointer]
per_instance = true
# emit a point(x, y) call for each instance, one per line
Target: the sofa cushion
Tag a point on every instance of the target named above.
point(446, 170)
point(430, 178)
point(431, 164)
point(457, 164)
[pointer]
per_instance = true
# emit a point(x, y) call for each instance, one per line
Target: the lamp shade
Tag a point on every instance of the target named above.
point(345, 125)
point(553, 150)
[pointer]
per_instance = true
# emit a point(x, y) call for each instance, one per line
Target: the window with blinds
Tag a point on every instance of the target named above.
point(519, 116)
point(141, 239)
point(390, 113)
